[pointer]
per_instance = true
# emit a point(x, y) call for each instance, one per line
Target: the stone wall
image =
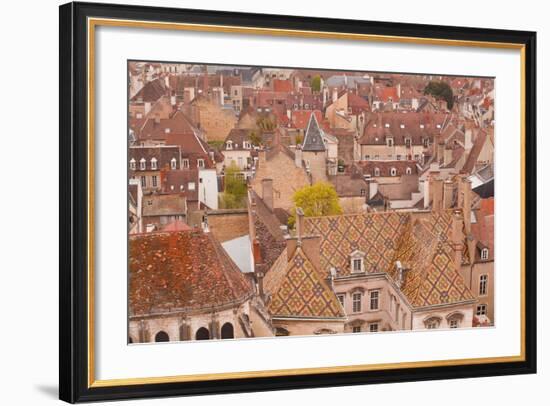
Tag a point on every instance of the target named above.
point(228, 224)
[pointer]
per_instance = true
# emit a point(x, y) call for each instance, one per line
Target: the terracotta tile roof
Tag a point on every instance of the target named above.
point(177, 225)
point(182, 271)
point(417, 126)
point(178, 181)
point(385, 94)
point(473, 156)
point(300, 290)
point(164, 205)
point(238, 136)
point(151, 92)
point(385, 167)
point(280, 85)
point(300, 118)
point(422, 244)
point(162, 153)
point(483, 229)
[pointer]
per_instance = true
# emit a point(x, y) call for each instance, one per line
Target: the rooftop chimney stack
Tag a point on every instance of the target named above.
point(448, 193)
point(267, 193)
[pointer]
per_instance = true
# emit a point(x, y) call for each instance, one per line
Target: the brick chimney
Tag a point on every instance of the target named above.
point(448, 187)
point(457, 237)
point(465, 201)
point(267, 193)
point(298, 156)
point(436, 188)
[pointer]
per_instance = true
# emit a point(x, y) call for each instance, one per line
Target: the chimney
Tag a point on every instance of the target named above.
point(267, 193)
point(426, 184)
point(400, 274)
point(468, 142)
point(440, 151)
point(299, 224)
point(146, 108)
point(167, 82)
point(437, 194)
point(334, 94)
point(457, 237)
point(448, 194)
point(465, 201)
point(298, 156)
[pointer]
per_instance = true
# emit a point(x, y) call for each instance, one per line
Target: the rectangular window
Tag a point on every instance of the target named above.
point(200, 163)
point(483, 285)
point(408, 142)
point(374, 299)
point(154, 180)
point(373, 327)
point(185, 163)
point(363, 192)
point(357, 265)
point(481, 310)
point(367, 157)
point(399, 157)
point(143, 182)
point(356, 329)
point(341, 299)
point(173, 164)
point(356, 298)
point(453, 323)
point(191, 186)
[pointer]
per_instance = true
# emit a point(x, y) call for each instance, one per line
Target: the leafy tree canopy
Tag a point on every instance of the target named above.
point(441, 91)
point(234, 195)
point(316, 83)
point(319, 199)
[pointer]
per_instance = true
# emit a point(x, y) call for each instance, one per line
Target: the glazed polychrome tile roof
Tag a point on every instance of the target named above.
point(185, 270)
point(422, 243)
point(298, 289)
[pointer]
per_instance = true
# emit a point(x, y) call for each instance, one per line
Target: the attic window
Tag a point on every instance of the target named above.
point(153, 163)
point(200, 163)
point(408, 171)
point(485, 253)
point(389, 142)
point(133, 164)
point(142, 164)
point(191, 186)
point(229, 145)
point(185, 163)
point(139, 115)
point(357, 261)
point(376, 171)
point(173, 163)
point(438, 125)
point(393, 172)
point(167, 130)
point(387, 125)
point(421, 125)
point(402, 126)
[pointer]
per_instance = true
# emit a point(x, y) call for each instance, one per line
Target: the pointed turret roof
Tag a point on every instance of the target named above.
point(313, 139)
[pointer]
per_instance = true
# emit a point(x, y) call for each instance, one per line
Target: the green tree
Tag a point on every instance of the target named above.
point(234, 194)
point(441, 91)
point(319, 199)
point(316, 83)
point(266, 123)
point(255, 138)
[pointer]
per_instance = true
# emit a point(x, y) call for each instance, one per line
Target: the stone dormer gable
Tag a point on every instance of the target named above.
point(313, 139)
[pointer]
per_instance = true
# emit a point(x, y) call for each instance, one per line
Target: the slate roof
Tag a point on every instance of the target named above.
point(313, 138)
point(182, 271)
point(300, 290)
point(422, 244)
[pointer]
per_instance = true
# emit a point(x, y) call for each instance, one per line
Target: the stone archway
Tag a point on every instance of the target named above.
point(202, 334)
point(162, 337)
point(228, 331)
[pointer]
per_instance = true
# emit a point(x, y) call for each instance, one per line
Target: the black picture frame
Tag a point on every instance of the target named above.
point(74, 200)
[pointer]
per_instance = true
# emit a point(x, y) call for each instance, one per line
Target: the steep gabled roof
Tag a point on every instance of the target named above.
point(300, 290)
point(313, 139)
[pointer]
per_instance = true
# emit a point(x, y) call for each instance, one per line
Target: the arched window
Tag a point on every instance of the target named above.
point(376, 171)
point(432, 322)
point(454, 320)
point(162, 337)
point(408, 171)
point(173, 163)
point(227, 331)
point(153, 163)
point(281, 332)
point(133, 164)
point(142, 164)
point(202, 334)
point(393, 172)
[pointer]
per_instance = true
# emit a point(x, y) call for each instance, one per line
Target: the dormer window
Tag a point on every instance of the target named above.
point(389, 142)
point(408, 171)
point(246, 145)
point(485, 254)
point(387, 125)
point(408, 142)
point(402, 126)
point(357, 261)
point(133, 164)
point(173, 163)
point(153, 163)
point(229, 145)
point(422, 126)
point(185, 163)
point(166, 130)
point(142, 164)
point(376, 171)
point(200, 163)
point(393, 172)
